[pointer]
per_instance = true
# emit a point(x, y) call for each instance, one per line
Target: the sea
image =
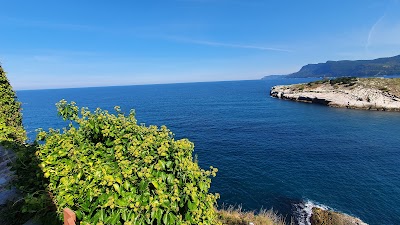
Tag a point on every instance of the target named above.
point(271, 153)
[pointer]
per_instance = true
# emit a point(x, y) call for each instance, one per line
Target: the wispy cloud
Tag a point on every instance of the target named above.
point(372, 30)
point(229, 45)
point(386, 29)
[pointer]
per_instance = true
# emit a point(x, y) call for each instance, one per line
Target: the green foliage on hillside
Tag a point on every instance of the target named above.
point(349, 81)
point(356, 68)
point(10, 116)
point(28, 178)
point(110, 170)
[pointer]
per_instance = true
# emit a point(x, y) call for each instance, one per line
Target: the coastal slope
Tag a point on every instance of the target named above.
point(356, 93)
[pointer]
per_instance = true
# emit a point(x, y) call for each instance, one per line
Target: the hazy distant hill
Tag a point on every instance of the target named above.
point(357, 68)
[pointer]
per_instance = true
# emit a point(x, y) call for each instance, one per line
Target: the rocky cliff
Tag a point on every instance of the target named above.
point(357, 68)
point(355, 93)
point(328, 217)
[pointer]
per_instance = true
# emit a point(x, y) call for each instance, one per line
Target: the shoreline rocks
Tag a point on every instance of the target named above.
point(365, 93)
point(327, 217)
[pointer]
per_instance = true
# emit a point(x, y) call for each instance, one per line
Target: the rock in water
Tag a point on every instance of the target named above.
point(355, 93)
point(326, 217)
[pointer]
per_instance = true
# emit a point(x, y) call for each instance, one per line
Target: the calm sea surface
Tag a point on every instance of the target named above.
point(269, 152)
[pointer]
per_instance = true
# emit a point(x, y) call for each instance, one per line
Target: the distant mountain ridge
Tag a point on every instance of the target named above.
point(348, 68)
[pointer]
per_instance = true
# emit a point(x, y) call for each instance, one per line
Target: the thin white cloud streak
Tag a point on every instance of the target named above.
point(371, 31)
point(229, 45)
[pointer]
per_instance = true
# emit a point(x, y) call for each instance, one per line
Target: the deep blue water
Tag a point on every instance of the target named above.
point(269, 152)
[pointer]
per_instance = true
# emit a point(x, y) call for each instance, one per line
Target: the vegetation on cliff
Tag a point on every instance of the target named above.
point(388, 85)
point(33, 199)
point(10, 116)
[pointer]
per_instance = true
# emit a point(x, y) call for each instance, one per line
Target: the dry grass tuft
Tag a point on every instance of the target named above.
point(236, 216)
point(390, 85)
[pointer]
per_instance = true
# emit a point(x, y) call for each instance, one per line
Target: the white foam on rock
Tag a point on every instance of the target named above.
point(303, 211)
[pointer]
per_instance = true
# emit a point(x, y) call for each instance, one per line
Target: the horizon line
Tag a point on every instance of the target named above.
point(128, 85)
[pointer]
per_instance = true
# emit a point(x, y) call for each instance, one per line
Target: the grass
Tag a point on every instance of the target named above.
point(388, 85)
point(236, 216)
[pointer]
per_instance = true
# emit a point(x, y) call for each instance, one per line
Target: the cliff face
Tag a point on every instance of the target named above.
point(355, 93)
point(357, 68)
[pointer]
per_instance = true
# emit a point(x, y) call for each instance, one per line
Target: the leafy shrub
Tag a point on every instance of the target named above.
point(344, 80)
point(323, 81)
point(110, 170)
point(10, 117)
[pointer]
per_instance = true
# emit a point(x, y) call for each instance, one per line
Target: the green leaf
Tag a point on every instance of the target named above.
point(96, 217)
point(155, 184)
point(124, 215)
point(165, 218)
point(116, 187)
point(188, 216)
point(78, 214)
point(170, 179)
point(115, 218)
point(143, 185)
point(127, 185)
point(158, 215)
point(168, 164)
point(191, 206)
point(101, 214)
point(171, 218)
point(85, 206)
point(121, 202)
point(109, 143)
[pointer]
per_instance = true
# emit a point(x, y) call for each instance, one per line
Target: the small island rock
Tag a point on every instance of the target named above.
point(355, 93)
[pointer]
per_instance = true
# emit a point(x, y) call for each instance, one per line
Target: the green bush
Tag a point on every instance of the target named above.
point(10, 117)
point(344, 80)
point(109, 170)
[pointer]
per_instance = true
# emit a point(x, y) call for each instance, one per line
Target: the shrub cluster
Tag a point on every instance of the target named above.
point(348, 81)
point(344, 80)
point(110, 170)
point(10, 116)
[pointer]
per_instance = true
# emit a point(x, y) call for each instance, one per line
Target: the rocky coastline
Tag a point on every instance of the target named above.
point(382, 94)
point(327, 217)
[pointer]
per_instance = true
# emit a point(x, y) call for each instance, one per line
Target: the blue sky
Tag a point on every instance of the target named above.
point(58, 44)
